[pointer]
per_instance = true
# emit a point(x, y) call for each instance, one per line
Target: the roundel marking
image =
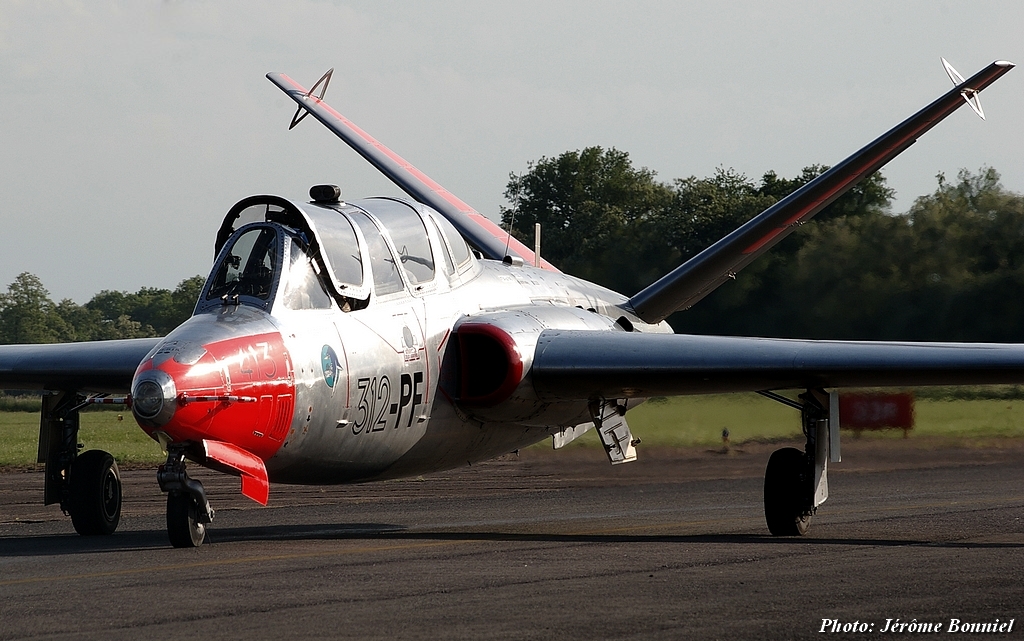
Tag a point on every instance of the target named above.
point(329, 363)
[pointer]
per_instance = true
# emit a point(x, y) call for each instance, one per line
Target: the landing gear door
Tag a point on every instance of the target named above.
point(821, 439)
point(826, 446)
point(614, 432)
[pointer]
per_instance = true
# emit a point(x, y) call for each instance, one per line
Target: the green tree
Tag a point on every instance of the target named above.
point(870, 197)
point(704, 210)
point(605, 220)
point(952, 268)
point(27, 315)
point(969, 254)
point(157, 311)
point(142, 307)
point(768, 297)
point(183, 302)
point(85, 323)
point(595, 209)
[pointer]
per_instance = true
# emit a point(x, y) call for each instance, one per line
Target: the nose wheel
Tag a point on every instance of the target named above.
point(184, 527)
point(188, 510)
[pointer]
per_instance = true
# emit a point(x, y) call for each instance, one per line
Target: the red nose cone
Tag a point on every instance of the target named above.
point(240, 391)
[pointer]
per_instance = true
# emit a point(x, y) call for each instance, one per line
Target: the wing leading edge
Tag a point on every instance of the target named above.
point(580, 364)
point(100, 366)
point(702, 274)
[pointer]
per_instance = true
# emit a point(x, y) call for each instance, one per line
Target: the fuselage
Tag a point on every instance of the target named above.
point(347, 342)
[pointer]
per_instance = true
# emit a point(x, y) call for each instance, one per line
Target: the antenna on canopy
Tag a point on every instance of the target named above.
point(969, 94)
point(536, 245)
point(302, 112)
point(512, 222)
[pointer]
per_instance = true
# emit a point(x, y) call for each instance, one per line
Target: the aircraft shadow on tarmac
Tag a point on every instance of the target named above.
point(50, 545)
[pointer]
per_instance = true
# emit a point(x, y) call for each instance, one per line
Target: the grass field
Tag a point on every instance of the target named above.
point(690, 421)
point(19, 437)
point(683, 421)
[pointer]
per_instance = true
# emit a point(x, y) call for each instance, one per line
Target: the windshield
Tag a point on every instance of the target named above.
point(302, 287)
point(248, 267)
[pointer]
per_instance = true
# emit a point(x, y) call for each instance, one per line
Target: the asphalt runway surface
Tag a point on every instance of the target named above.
point(545, 546)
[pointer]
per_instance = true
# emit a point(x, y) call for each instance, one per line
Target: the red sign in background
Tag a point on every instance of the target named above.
point(876, 411)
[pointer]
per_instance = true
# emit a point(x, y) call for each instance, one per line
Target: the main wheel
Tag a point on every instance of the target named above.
point(183, 527)
point(785, 487)
point(94, 500)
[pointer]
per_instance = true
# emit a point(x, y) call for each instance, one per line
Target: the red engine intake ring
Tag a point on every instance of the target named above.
point(491, 365)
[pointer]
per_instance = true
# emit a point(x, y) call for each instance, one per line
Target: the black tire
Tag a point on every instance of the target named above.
point(94, 500)
point(785, 488)
point(183, 528)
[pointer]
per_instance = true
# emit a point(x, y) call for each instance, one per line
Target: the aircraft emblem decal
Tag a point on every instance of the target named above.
point(329, 363)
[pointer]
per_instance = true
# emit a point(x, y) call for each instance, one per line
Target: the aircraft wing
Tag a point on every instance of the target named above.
point(702, 274)
point(486, 236)
point(581, 364)
point(99, 366)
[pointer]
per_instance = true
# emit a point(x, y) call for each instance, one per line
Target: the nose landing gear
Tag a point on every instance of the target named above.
point(184, 525)
point(188, 510)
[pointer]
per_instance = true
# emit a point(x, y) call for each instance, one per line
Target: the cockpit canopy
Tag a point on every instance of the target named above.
point(348, 252)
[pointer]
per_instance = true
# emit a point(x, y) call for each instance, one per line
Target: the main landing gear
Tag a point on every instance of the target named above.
point(94, 497)
point(188, 510)
point(87, 485)
point(786, 507)
point(795, 482)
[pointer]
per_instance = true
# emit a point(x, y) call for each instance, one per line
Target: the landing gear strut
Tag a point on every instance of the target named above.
point(87, 485)
point(795, 482)
point(188, 510)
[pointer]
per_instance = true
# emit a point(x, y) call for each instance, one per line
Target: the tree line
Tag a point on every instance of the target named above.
point(28, 315)
point(950, 268)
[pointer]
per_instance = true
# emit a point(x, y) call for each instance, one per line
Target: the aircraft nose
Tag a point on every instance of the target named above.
point(153, 398)
point(209, 380)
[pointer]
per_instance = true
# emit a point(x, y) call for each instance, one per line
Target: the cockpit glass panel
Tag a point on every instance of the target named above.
point(339, 244)
point(256, 214)
point(386, 279)
point(303, 289)
point(247, 268)
point(460, 249)
point(410, 239)
point(449, 266)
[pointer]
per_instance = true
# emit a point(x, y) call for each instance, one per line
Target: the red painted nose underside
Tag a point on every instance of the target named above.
point(241, 391)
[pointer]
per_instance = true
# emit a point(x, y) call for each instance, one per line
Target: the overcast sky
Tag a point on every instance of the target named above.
point(127, 129)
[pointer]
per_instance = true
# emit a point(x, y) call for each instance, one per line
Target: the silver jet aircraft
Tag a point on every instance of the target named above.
point(339, 342)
